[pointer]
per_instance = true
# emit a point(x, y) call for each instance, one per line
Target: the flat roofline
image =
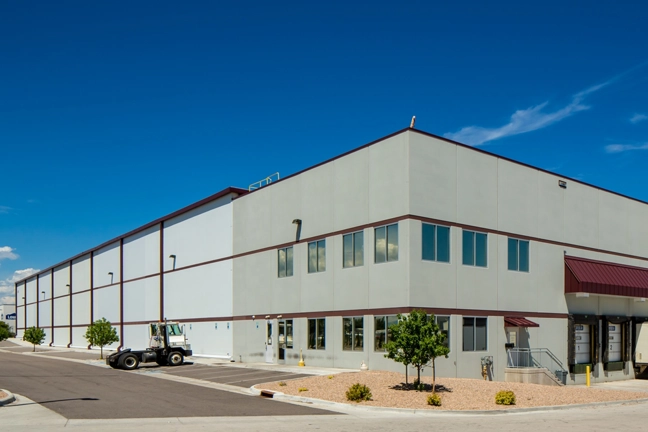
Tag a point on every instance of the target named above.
point(431, 135)
point(529, 166)
point(241, 192)
point(214, 197)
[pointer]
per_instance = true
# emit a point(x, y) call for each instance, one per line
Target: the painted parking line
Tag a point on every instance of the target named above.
point(277, 374)
point(251, 382)
point(222, 371)
point(190, 369)
point(235, 375)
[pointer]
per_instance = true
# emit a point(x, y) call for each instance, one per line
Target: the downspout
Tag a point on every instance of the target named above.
point(16, 301)
point(121, 294)
point(37, 302)
point(52, 301)
point(70, 293)
point(161, 271)
point(91, 290)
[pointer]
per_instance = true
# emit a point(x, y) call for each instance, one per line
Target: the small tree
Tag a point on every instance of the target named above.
point(101, 333)
point(5, 331)
point(416, 339)
point(35, 336)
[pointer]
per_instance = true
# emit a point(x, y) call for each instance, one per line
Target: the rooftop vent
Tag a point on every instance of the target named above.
point(264, 182)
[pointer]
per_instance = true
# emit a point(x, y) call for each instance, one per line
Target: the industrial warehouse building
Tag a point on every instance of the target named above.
point(507, 256)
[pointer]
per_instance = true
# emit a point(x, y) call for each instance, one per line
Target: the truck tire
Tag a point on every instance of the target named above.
point(161, 361)
point(175, 359)
point(128, 362)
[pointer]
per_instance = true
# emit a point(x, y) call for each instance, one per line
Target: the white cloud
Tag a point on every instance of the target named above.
point(7, 300)
point(618, 148)
point(7, 285)
point(526, 120)
point(5, 209)
point(7, 252)
point(637, 117)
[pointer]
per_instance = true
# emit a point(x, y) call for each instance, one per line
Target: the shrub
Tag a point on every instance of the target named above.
point(5, 331)
point(418, 385)
point(302, 389)
point(505, 397)
point(330, 377)
point(434, 399)
point(358, 392)
point(282, 383)
point(34, 335)
point(101, 333)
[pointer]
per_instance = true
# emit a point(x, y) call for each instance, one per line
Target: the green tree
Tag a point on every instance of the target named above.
point(34, 336)
point(5, 331)
point(416, 339)
point(101, 333)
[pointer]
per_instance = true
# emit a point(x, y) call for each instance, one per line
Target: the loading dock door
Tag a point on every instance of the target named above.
point(582, 343)
point(641, 341)
point(615, 345)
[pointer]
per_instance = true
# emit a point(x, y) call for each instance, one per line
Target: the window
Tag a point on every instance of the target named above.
point(444, 325)
point(382, 332)
point(286, 339)
point(353, 334)
point(353, 253)
point(518, 255)
point(475, 249)
point(386, 243)
point(317, 333)
point(474, 334)
point(317, 256)
point(436, 243)
point(285, 262)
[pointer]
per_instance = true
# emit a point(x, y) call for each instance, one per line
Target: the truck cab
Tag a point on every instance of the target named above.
point(167, 346)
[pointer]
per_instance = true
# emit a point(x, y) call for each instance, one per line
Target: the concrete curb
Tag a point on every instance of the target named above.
point(7, 399)
point(349, 407)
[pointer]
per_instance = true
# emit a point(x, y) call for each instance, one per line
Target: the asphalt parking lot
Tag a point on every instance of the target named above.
point(231, 375)
point(80, 391)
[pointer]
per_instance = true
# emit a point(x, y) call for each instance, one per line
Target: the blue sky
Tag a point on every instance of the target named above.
point(114, 114)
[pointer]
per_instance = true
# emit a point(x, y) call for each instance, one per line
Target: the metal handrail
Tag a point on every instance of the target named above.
point(535, 350)
point(529, 358)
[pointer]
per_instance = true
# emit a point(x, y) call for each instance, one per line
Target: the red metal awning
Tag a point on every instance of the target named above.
point(519, 322)
point(598, 277)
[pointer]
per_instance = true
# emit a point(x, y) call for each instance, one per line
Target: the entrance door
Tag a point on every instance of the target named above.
point(269, 357)
point(282, 341)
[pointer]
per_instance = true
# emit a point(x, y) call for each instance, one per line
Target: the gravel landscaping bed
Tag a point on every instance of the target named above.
point(2, 394)
point(456, 394)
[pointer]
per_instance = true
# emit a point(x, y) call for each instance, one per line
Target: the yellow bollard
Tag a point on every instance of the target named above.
point(301, 359)
point(587, 376)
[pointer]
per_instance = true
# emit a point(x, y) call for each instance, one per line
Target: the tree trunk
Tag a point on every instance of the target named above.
point(433, 376)
point(34, 349)
point(101, 356)
point(406, 383)
point(418, 370)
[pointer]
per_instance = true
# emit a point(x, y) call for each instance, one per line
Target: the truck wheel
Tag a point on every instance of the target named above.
point(161, 361)
point(129, 362)
point(175, 359)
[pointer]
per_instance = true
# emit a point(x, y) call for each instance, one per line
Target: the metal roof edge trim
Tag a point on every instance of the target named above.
point(188, 208)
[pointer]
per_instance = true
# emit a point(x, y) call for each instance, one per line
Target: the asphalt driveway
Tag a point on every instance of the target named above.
point(79, 391)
